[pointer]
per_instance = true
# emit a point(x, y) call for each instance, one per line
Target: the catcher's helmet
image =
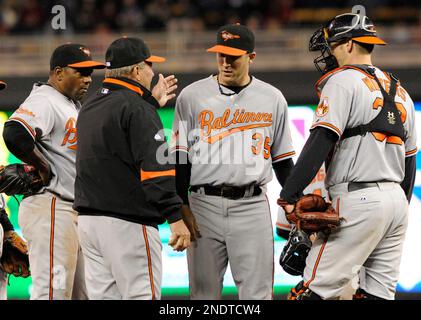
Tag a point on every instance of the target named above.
point(343, 27)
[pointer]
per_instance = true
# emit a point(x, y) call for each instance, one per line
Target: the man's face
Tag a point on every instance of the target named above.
point(232, 69)
point(145, 75)
point(341, 52)
point(75, 82)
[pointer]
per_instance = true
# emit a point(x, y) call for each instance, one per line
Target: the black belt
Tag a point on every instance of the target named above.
point(354, 186)
point(229, 192)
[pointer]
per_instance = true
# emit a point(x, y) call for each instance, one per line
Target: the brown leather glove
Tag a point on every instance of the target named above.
point(312, 213)
point(190, 222)
point(15, 259)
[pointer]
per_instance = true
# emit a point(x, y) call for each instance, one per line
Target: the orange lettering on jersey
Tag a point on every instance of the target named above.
point(401, 92)
point(371, 84)
point(71, 135)
point(22, 110)
point(208, 122)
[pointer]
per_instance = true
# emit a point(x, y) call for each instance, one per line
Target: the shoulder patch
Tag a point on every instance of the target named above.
point(323, 107)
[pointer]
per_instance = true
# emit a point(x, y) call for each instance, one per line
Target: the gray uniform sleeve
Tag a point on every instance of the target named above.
point(411, 142)
point(281, 147)
point(334, 107)
point(36, 116)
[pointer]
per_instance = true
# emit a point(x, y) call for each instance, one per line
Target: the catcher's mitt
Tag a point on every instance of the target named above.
point(312, 214)
point(15, 259)
point(19, 179)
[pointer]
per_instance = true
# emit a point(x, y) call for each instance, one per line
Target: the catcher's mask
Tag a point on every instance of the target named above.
point(342, 28)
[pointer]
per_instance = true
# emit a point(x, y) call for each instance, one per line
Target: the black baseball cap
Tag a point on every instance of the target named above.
point(75, 56)
point(3, 85)
point(233, 40)
point(128, 51)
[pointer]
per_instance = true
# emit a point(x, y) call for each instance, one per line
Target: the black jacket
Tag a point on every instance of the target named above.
point(117, 171)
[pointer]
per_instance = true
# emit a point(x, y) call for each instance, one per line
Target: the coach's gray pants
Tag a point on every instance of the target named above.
point(238, 231)
point(122, 259)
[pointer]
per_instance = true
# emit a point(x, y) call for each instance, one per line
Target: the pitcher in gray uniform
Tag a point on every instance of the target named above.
point(229, 130)
point(364, 130)
point(42, 133)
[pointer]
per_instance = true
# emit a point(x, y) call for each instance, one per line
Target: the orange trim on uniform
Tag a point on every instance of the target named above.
point(146, 175)
point(52, 225)
point(410, 153)
point(124, 84)
point(148, 252)
point(283, 155)
point(326, 124)
point(227, 50)
point(320, 252)
point(25, 124)
point(283, 225)
point(337, 70)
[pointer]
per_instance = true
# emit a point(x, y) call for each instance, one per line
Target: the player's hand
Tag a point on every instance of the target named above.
point(164, 89)
point(45, 174)
point(289, 208)
point(180, 236)
point(191, 223)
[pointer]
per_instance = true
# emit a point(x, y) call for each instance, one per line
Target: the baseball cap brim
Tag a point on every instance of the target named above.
point(227, 50)
point(370, 40)
point(155, 59)
point(88, 64)
point(3, 85)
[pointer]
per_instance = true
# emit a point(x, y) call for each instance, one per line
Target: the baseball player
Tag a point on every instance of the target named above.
point(234, 128)
point(42, 133)
point(122, 190)
point(364, 129)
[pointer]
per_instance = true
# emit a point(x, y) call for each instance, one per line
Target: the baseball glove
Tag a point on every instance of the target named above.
point(312, 214)
point(15, 259)
point(295, 252)
point(19, 179)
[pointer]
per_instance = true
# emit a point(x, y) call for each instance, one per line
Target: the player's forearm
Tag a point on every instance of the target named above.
point(17, 139)
point(182, 177)
point(5, 222)
point(409, 179)
point(282, 170)
point(314, 153)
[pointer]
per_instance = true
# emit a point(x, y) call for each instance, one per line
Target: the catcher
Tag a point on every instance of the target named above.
point(13, 252)
point(367, 139)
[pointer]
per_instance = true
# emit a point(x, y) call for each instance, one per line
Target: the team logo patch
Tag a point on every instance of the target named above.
point(85, 51)
point(228, 36)
point(323, 108)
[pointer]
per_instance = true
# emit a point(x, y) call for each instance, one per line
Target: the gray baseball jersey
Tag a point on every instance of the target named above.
point(50, 118)
point(353, 158)
point(232, 140)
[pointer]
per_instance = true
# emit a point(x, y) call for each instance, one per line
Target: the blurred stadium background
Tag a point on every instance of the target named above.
point(181, 30)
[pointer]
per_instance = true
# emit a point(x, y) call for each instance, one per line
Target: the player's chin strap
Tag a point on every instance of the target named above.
point(388, 121)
